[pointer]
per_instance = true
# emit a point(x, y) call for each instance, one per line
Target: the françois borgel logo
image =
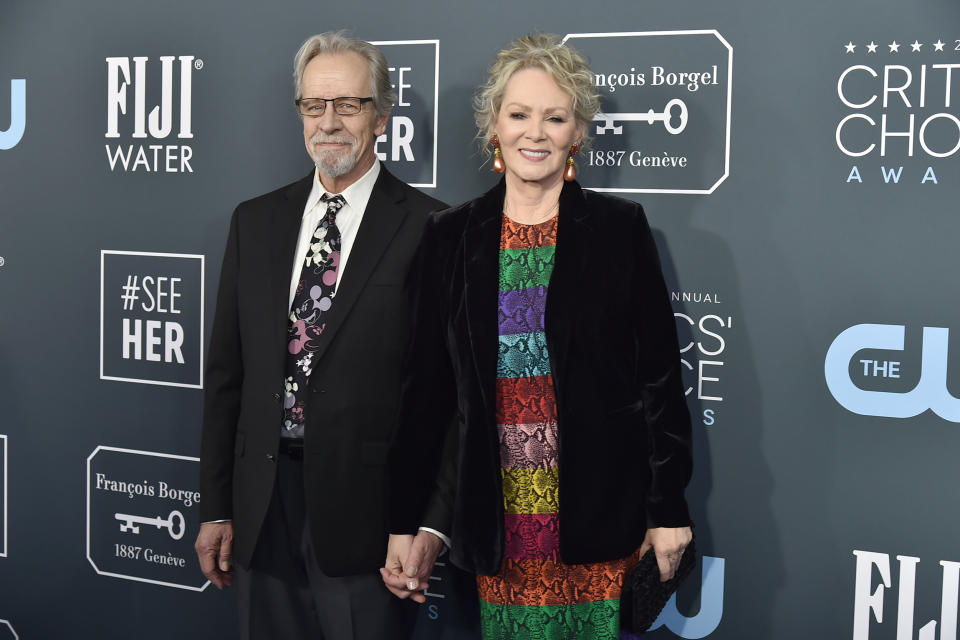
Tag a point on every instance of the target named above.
point(151, 318)
point(141, 506)
point(409, 145)
point(869, 597)
point(870, 373)
point(898, 122)
point(7, 632)
point(18, 115)
point(140, 140)
point(666, 100)
point(703, 328)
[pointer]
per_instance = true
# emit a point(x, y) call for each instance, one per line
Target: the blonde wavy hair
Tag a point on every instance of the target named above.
point(566, 66)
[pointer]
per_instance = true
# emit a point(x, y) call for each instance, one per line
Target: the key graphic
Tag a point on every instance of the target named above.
point(676, 108)
point(174, 523)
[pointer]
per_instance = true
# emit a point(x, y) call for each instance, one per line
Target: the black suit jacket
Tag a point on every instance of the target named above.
point(624, 427)
point(351, 412)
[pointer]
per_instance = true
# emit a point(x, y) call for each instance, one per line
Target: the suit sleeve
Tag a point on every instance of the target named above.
point(665, 406)
point(221, 398)
point(421, 466)
point(439, 511)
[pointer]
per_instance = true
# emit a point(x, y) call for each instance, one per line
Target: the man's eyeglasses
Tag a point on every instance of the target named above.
point(314, 107)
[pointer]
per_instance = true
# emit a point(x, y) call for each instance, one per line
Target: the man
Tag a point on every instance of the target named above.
point(303, 375)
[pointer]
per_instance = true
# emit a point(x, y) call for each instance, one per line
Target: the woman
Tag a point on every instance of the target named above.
point(574, 436)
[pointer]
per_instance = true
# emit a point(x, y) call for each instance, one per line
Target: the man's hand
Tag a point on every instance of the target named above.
point(398, 548)
point(409, 563)
point(668, 545)
point(214, 549)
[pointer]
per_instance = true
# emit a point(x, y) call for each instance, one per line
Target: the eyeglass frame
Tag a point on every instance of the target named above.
point(334, 101)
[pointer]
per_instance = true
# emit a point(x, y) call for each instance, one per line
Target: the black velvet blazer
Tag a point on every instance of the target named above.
point(624, 427)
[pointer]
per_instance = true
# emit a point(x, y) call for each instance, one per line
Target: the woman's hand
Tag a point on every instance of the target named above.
point(668, 545)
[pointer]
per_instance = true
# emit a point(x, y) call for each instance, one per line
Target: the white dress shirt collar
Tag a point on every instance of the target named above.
point(356, 195)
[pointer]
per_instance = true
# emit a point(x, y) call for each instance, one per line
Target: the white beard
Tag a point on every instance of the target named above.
point(334, 163)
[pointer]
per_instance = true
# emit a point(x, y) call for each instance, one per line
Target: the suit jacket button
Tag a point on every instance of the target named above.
point(271, 457)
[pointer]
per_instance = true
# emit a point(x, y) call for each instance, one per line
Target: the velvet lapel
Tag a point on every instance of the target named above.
point(381, 219)
point(285, 228)
point(481, 273)
point(564, 302)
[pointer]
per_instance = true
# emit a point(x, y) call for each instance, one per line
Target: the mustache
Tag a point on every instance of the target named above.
point(321, 138)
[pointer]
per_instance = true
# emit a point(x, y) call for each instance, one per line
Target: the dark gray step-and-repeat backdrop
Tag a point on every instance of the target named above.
point(798, 162)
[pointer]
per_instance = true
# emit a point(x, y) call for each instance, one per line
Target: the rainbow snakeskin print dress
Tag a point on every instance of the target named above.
point(535, 596)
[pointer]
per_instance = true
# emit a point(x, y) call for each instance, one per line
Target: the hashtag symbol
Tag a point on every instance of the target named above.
point(130, 289)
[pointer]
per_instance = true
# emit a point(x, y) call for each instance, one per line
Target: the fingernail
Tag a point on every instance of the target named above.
point(412, 585)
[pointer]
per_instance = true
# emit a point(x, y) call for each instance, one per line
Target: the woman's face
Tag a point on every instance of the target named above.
point(536, 127)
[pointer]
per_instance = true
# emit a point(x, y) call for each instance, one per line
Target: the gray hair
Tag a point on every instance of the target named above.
point(338, 42)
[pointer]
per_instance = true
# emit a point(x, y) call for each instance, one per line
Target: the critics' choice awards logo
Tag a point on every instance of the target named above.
point(702, 328)
point(869, 372)
point(666, 98)
point(436, 592)
point(899, 119)
point(869, 597)
point(141, 139)
point(151, 318)
point(141, 506)
point(409, 145)
point(18, 115)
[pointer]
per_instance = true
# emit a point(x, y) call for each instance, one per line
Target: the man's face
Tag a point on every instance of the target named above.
point(341, 146)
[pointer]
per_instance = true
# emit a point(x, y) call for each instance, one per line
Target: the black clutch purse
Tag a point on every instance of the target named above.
point(644, 596)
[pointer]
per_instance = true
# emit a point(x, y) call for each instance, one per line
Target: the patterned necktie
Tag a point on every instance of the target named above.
point(314, 297)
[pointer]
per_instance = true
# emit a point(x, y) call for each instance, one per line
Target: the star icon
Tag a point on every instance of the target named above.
point(938, 45)
point(850, 47)
point(872, 47)
point(916, 46)
point(894, 47)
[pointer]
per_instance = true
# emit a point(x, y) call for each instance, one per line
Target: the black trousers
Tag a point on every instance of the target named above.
point(285, 595)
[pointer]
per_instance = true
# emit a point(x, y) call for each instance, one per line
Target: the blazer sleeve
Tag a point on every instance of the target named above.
point(665, 406)
point(420, 467)
point(221, 398)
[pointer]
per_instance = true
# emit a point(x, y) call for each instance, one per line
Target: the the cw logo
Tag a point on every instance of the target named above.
point(711, 606)
point(930, 393)
point(18, 114)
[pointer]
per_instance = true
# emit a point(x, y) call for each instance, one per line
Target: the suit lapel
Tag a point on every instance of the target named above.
point(574, 230)
point(381, 220)
point(481, 275)
point(285, 228)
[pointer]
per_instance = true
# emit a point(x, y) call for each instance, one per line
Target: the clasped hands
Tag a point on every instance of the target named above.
point(410, 560)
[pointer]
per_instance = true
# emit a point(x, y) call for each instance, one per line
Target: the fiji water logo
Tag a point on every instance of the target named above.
point(18, 114)
point(132, 124)
point(930, 391)
point(869, 597)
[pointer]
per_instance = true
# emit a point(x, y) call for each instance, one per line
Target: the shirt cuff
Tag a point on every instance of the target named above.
point(445, 539)
point(215, 521)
